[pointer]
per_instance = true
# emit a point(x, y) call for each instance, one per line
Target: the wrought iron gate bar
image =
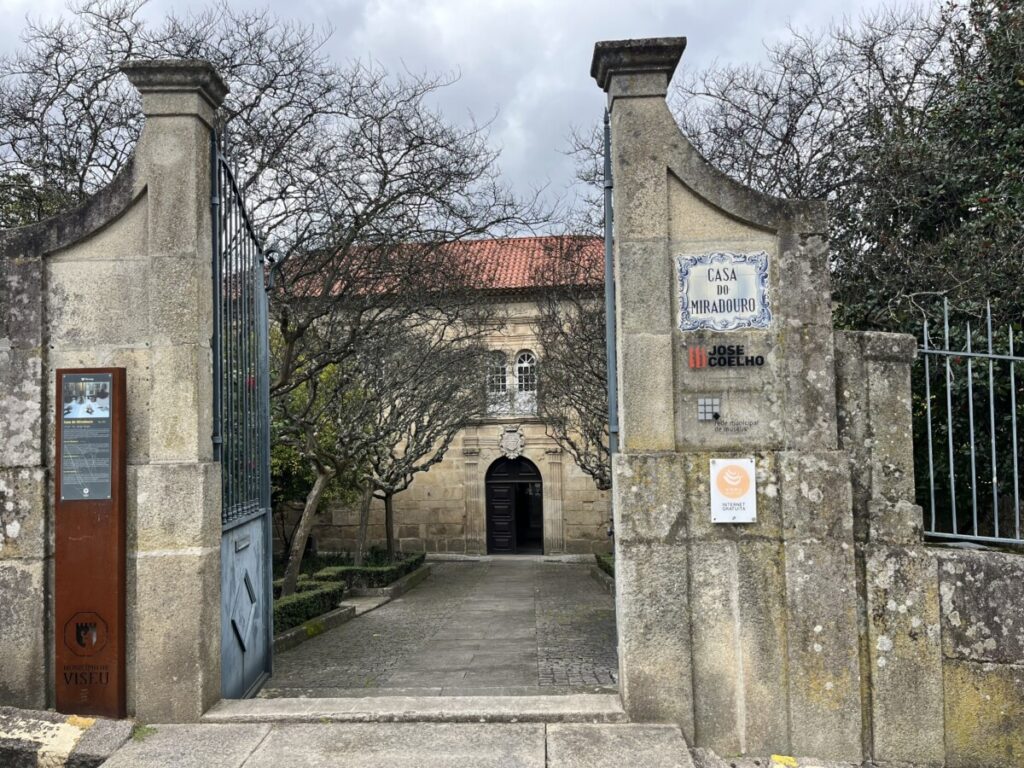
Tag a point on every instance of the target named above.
point(241, 435)
point(241, 375)
point(984, 523)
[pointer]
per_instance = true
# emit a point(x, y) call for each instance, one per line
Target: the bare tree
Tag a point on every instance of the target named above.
point(570, 326)
point(69, 119)
point(425, 388)
point(900, 120)
point(395, 189)
point(390, 409)
point(357, 182)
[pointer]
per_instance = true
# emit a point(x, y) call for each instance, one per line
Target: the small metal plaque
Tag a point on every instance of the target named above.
point(733, 491)
point(85, 468)
point(723, 291)
point(709, 408)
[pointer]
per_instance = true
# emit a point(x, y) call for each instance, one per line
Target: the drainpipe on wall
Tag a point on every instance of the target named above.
point(609, 296)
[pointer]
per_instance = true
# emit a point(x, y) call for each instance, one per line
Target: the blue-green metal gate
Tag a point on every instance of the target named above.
point(241, 436)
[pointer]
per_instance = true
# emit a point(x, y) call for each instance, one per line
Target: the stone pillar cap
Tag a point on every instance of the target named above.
point(177, 75)
point(646, 55)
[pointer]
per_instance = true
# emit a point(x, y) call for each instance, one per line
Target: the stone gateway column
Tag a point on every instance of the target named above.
point(743, 633)
point(174, 518)
point(125, 281)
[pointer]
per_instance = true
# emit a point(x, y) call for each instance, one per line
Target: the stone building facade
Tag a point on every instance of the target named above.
point(452, 507)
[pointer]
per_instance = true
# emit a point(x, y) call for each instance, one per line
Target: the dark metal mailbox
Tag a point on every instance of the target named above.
point(89, 534)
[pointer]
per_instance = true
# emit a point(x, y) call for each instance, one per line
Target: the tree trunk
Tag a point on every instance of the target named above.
point(389, 525)
point(298, 547)
point(364, 523)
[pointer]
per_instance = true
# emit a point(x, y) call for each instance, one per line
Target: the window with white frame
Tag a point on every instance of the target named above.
point(526, 382)
point(526, 372)
point(497, 384)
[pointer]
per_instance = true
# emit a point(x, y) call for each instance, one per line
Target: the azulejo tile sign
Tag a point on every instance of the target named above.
point(723, 291)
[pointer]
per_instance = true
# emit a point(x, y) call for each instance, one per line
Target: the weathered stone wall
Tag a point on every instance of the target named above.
point(981, 596)
point(827, 628)
point(123, 281)
point(746, 635)
point(444, 509)
point(942, 628)
point(901, 662)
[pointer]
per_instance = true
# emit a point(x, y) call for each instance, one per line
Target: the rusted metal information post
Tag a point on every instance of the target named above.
point(90, 541)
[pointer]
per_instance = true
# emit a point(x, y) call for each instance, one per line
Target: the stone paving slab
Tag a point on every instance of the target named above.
point(409, 745)
point(406, 745)
point(365, 604)
point(462, 690)
point(492, 623)
point(190, 746)
point(585, 708)
point(616, 746)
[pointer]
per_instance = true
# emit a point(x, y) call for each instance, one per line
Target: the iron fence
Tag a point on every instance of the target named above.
point(241, 439)
point(968, 480)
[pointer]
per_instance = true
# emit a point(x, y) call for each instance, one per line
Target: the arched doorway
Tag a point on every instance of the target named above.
point(515, 508)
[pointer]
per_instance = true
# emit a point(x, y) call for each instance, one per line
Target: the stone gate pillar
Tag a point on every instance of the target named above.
point(743, 634)
point(124, 280)
point(174, 493)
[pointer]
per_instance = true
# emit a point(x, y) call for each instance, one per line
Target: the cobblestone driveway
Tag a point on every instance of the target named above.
point(502, 626)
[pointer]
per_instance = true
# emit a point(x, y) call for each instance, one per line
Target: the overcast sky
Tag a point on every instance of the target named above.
point(524, 62)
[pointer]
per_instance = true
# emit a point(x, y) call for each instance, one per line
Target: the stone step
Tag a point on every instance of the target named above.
point(46, 738)
point(573, 708)
point(616, 746)
point(406, 745)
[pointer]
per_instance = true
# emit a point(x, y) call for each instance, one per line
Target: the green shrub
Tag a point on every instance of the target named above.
point(377, 556)
point(607, 564)
point(313, 563)
point(370, 576)
point(304, 584)
point(313, 599)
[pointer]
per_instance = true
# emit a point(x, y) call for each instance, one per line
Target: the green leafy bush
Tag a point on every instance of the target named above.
point(312, 599)
point(370, 576)
point(606, 563)
point(377, 556)
point(304, 584)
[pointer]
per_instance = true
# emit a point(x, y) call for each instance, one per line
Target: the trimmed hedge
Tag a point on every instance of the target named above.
point(607, 564)
point(313, 563)
point(304, 584)
point(312, 599)
point(369, 576)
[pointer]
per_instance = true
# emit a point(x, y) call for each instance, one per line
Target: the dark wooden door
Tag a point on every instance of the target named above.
point(501, 518)
point(514, 508)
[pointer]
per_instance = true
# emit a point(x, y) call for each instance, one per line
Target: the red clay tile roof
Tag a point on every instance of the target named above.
point(534, 262)
point(505, 264)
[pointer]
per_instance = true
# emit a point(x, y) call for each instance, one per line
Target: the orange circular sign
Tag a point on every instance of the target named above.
point(733, 481)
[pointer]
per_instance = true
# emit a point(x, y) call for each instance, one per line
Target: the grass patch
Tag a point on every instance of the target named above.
point(141, 731)
point(606, 563)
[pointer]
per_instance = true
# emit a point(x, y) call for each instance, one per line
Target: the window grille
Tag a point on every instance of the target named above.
point(497, 376)
point(526, 372)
